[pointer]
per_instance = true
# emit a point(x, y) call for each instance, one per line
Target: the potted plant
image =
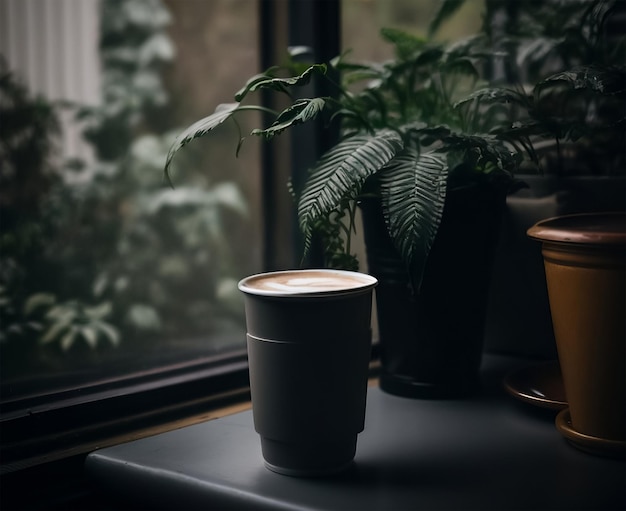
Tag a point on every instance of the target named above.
point(567, 111)
point(564, 96)
point(585, 270)
point(430, 180)
point(562, 87)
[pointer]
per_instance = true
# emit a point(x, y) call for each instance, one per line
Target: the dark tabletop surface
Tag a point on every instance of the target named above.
point(488, 452)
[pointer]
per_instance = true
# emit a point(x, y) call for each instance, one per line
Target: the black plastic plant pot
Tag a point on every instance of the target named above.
point(431, 341)
point(309, 347)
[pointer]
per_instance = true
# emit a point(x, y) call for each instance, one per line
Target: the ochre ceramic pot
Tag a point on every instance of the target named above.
point(585, 260)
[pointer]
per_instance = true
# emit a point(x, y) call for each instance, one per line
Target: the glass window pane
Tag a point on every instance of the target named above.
point(105, 270)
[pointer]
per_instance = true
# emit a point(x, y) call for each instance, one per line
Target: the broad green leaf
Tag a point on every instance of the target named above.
point(352, 122)
point(537, 49)
point(53, 332)
point(198, 129)
point(460, 66)
point(432, 55)
point(486, 149)
point(252, 82)
point(99, 311)
point(340, 174)
point(605, 80)
point(279, 84)
point(524, 129)
point(225, 194)
point(447, 9)
point(355, 72)
point(68, 339)
point(109, 331)
point(144, 317)
point(65, 312)
point(495, 94)
point(301, 111)
point(473, 46)
point(229, 195)
point(90, 335)
point(405, 43)
point(413, 192)
point(38, 300)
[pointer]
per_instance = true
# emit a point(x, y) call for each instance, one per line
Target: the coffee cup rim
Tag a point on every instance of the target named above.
point(367, 280)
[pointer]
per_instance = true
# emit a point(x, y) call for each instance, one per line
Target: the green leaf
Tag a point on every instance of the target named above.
point(447, 9)
point(65, 312)
point(461, 66)
point(432, 55)
point(68, 339)
point(252, 82)
point(413, 191)
point(301, 111)
point(406, 44)
point(225, 194)
point(38, 300)
point(144, 317)
point(481, 151)
point(198, 129)
point(229, 195)
point(475, 46)
point(340, 174)
point(537, 49)
point(356, 72)
point(90, 335)
point(495, 94)
point(99, 311)
point(604, 80)
point(524, 129)
point(109, 331)
point(265, 81)
point(53, 332)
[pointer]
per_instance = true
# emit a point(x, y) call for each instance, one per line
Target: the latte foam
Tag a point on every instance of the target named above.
point(305, 282)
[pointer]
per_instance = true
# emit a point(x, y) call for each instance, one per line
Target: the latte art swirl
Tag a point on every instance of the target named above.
point(305, 282)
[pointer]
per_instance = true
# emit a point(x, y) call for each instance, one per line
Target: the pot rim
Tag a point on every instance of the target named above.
point(601, 228)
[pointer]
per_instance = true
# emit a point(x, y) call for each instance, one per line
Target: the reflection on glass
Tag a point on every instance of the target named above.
point(105, 270)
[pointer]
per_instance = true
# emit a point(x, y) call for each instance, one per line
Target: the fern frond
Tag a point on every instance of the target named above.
point(340, 174)
point(413, 192)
